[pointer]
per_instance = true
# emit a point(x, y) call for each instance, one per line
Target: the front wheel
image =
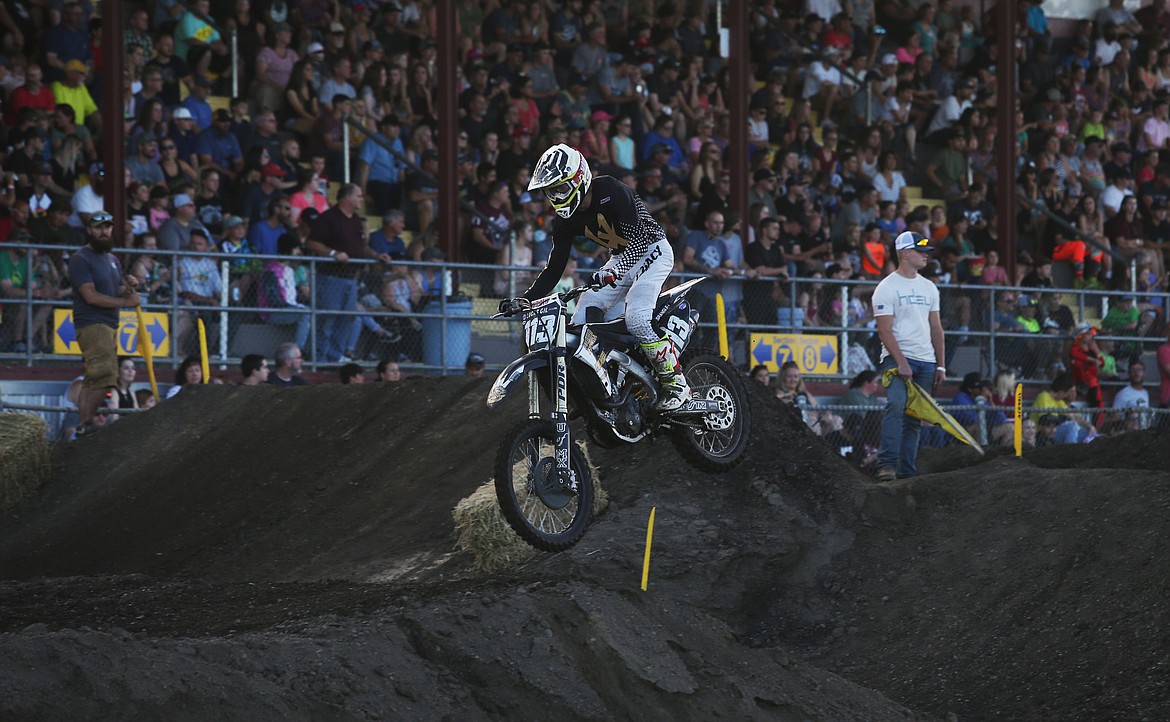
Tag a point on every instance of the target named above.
point(549, 513)
point(715, 442)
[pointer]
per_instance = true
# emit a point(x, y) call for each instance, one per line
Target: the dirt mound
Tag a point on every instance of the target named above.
point(265, 554)
point(252, 484)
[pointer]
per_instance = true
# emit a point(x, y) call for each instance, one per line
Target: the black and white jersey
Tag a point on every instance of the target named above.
point(615, 218)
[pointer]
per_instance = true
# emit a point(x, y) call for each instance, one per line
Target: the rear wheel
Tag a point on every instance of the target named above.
point(717, 441)
point(549, 513)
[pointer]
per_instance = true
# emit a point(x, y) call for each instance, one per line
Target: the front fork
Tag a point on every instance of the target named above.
point(560, 410)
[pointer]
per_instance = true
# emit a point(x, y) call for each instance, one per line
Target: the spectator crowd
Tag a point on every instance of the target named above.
point(856, 104)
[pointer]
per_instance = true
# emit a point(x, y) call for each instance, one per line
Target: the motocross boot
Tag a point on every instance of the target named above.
point(675, 390)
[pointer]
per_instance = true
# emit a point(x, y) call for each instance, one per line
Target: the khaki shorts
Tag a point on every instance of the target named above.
point(99, 352)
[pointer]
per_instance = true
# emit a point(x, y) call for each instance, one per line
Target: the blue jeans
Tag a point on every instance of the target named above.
point(899, 449)
point(334, 294)
point(300, 320)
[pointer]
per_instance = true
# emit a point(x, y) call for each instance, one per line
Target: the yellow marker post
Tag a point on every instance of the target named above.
point(1019, 432)
point(203, 353)
point(146, 348)
point(646, 560)
point(721, 316)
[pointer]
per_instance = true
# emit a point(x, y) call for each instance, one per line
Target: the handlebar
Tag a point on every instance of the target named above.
point(525, 304)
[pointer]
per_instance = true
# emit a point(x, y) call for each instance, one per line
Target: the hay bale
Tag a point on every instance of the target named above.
point(25, 460)
point(483, 531)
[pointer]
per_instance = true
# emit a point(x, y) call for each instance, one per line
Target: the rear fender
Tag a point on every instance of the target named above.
point(513, 374)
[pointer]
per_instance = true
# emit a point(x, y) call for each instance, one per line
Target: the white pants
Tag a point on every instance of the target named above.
point(638, 288)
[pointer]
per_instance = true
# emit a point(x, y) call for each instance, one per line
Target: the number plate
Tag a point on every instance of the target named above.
point(540, 326)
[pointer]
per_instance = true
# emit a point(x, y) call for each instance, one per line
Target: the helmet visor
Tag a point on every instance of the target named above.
point(560, 192)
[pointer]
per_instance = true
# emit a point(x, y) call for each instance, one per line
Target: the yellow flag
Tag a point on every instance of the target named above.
point(1019, 418)
point(203, 352)
point(147, 350)
point(920, 405)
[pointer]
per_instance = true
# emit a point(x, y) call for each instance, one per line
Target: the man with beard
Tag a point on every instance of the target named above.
point(99, 290)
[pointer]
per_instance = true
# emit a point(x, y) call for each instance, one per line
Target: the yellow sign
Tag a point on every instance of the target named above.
point(157, 326)
point(814, 354)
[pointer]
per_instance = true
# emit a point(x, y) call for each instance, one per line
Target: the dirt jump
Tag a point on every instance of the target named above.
point(271, 554)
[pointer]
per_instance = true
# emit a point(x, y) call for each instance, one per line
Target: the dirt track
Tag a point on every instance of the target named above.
point(267, 554)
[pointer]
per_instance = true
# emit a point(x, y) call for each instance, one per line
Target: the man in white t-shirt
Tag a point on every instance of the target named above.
point(89, 199)
point(1134, 395)
point(823, 79)
point(1116, 192)
point(906, 308)
point(952, 108)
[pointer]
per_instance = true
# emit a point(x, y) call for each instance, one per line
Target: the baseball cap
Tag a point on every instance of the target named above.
point(578, 79)
point(474, 359)
point(526, 197)
point(43, 168)
point(100, 218)
point(97, 169)
point(183, 200)
point(182, 114)
point(315, 48)
point(973, 381)
point(521, 130)
point(600, 115)
point(889, 59)
point(763, 174)
point(146, 137)
point(911, 241)
point(371, 45)
point(203, 81)
point(231, 222)
point(221, 116)
point(76, 65)
point(272, 169)
point(310, 215)
point(336, 28)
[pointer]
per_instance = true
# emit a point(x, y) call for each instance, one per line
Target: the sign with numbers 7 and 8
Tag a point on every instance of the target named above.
point(157, 327)
point(815, 354)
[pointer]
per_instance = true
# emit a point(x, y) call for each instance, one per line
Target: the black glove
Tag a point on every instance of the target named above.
point(602, 278)
point(513, 306)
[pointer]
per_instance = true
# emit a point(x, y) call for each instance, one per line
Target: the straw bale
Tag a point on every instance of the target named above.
point(483, 531)
point(25, 461)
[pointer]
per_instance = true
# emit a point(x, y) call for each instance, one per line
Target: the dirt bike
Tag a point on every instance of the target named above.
point(597, 372)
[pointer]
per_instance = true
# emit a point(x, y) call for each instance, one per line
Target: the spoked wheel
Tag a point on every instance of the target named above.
point(715, 442)
point(547, 512)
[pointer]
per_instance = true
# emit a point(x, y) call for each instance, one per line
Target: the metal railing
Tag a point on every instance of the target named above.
point(1053, 430)
point(232, 310)
point(469, 322)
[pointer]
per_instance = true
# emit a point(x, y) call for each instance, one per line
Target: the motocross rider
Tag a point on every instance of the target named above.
point(609, 213)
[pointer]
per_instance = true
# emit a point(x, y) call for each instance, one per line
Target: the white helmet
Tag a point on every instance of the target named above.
point(562, 174)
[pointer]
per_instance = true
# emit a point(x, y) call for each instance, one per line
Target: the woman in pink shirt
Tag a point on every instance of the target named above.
point(307, 195)
point(993, 273)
